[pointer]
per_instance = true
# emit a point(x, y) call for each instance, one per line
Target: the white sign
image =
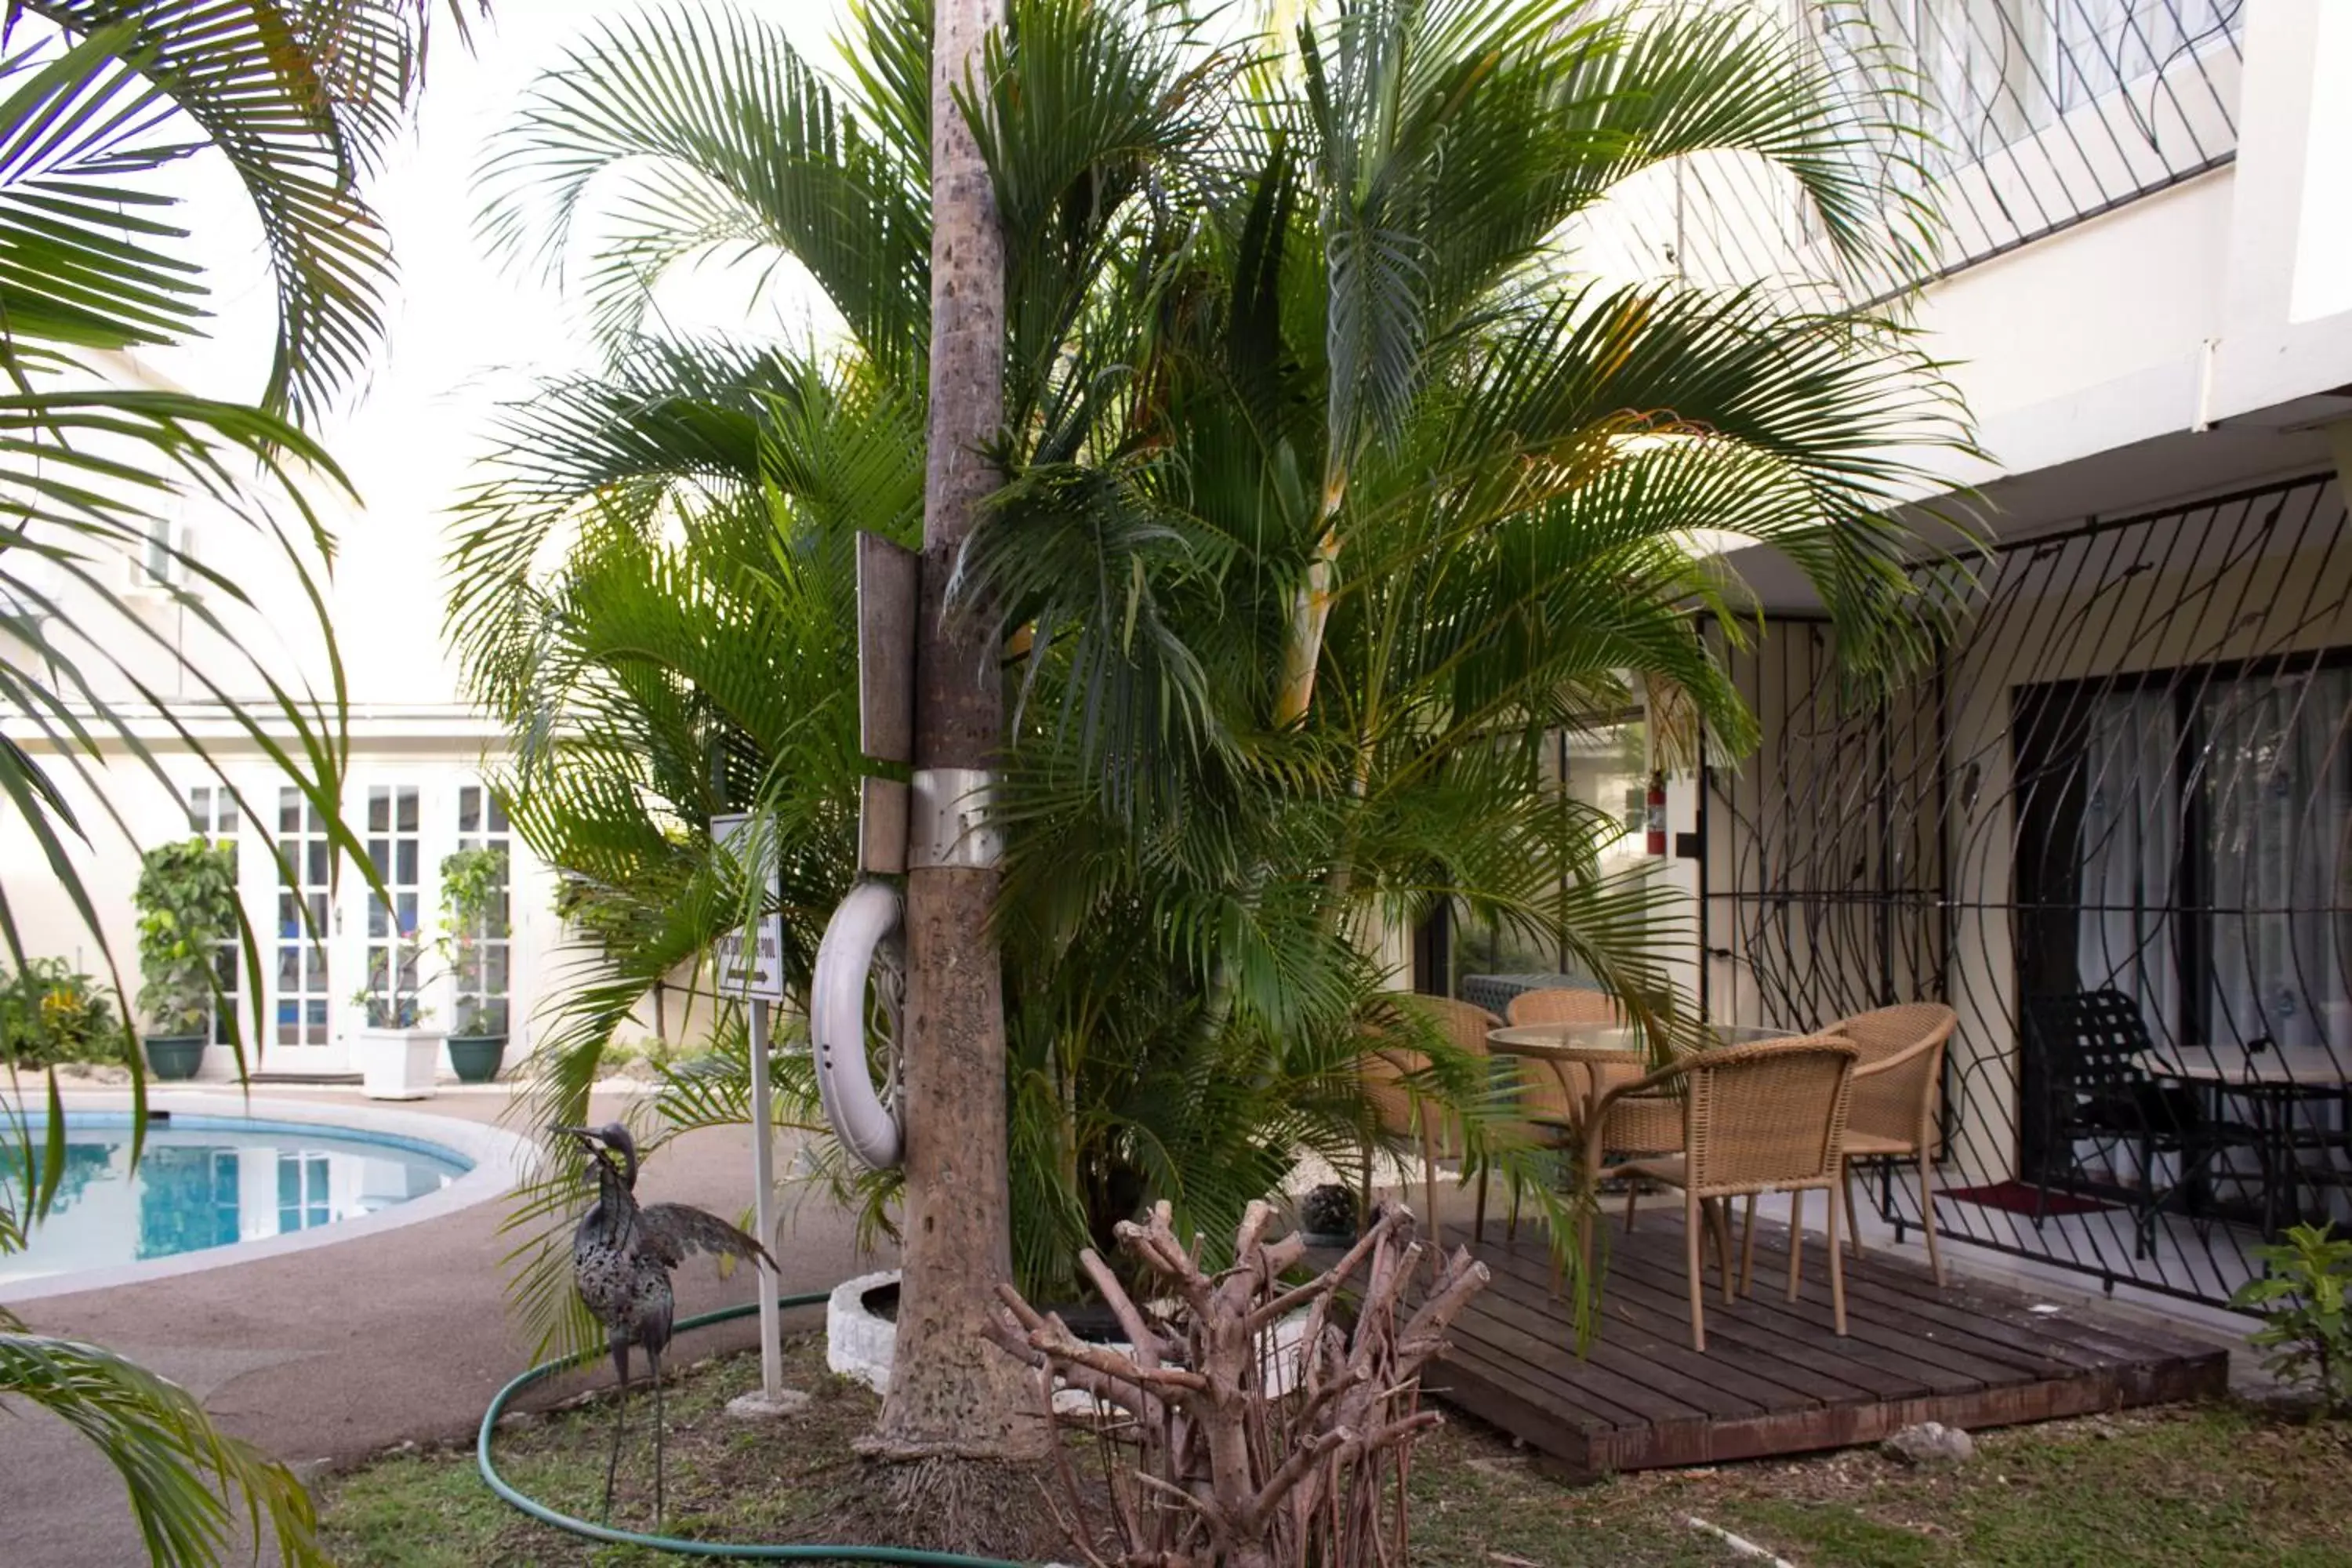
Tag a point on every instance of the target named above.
point(756, 973)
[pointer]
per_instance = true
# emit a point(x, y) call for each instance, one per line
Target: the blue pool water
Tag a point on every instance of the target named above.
point(205, 1182)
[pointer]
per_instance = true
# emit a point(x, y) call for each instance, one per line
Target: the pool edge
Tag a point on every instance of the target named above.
point(499, 1160)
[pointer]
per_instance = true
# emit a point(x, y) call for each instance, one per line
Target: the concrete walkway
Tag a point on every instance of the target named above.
point(342, 1351)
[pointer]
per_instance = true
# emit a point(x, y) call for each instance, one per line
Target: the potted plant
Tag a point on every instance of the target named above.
point(1328, 1216)
point(186, 901)
point(474, 913)
point(398, 1052)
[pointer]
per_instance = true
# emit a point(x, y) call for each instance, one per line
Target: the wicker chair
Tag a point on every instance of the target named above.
point(1563, 1005)
point(1648, 1124)
point(1405, 1112)
point(1899, 1074)
point(1762, 1117)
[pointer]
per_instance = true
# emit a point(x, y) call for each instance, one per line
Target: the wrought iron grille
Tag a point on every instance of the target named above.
point(2041, 113)
point(2021, 117)
point(2113, 829)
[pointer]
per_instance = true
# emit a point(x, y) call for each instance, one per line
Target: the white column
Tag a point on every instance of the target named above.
point(764, 1204)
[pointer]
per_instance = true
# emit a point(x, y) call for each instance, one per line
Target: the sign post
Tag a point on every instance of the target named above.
point(750, 964)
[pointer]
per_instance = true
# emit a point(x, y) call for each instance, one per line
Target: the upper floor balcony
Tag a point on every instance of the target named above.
point(2008, 119)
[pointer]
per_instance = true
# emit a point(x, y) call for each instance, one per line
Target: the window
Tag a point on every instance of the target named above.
point(212, 813)
point(1990, 72)
point(2103, 44)
point(2188, 841)
point(393, 935)
point(159, 564)
point(1603, 768)
point(160, 558)
point(304, 883)
point(485, 966)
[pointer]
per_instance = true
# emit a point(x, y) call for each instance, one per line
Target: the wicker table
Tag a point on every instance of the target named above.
point(1595, 1046)
point(1560, 1047)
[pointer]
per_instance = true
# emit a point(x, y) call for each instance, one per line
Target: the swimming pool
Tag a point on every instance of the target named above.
point(207, 1182)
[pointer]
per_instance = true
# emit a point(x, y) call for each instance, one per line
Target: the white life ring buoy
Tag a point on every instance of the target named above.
point(867, 1126)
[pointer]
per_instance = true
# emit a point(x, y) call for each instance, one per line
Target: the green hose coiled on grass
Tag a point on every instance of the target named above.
point(735, 1551)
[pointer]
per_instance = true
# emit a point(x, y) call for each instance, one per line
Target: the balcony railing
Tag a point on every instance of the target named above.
point(2020, 118)
point(2040, 113)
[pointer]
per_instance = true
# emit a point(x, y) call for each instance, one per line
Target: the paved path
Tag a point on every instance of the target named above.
point(340, 1352)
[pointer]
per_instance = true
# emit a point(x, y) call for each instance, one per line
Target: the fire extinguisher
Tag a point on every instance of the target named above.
point(1657, 837)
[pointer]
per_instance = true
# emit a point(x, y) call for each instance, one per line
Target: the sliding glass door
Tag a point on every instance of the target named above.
point(2184, 837)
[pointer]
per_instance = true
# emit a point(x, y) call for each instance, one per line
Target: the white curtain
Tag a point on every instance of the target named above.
point(2130, 850)
point(2277, 789)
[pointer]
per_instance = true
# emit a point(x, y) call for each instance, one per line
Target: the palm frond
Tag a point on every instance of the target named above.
point(301, 99)
point(725, 137)
point(184, 1476)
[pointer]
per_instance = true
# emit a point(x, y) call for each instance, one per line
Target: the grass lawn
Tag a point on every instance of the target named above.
point(2216, 1484)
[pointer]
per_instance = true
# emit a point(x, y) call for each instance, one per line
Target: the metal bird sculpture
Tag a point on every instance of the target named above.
point(622, 1255)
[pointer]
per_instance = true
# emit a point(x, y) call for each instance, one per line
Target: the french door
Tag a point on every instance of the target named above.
point(299, 967)
point(337, 955)
point(393, 933)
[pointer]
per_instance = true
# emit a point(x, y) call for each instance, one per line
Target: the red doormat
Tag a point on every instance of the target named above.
point(2024, 1197)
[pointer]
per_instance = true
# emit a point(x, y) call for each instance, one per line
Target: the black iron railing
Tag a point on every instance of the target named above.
point(2037, 114)
point(2112, 828)
point(2012, 120)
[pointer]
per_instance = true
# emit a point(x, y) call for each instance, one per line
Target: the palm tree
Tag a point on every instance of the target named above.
point(1332, 487)
point(952, 1394)
point(97, 98)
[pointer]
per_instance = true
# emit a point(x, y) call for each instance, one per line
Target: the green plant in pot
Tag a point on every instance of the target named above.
point(474, 915)
point(186, 900)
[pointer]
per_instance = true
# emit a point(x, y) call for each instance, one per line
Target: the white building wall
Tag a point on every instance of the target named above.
point(2181, 310)
point(140, 810)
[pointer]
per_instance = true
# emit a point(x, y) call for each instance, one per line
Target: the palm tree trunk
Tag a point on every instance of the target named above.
point(953, 1396)
point(1310, 609)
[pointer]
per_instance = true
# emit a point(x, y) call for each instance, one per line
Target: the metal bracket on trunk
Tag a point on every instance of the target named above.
point(945, 825)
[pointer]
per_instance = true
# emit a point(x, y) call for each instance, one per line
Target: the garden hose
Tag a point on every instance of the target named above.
point(738, 1551)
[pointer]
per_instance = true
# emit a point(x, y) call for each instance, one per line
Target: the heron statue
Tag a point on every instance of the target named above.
point(622, 1255)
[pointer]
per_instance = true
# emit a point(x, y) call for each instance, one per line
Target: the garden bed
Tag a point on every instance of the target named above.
point(2210, 1484)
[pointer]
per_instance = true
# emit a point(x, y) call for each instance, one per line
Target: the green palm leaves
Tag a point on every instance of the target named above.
point(98, 101)
point(1335, 485)
point(181, 1473)
point(723, 137)
point(299, 98)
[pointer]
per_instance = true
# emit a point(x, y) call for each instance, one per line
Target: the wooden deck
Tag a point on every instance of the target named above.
point(1775, 1378)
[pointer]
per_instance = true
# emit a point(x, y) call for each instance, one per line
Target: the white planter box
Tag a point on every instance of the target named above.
point(860, 1345)
point(398, 1064)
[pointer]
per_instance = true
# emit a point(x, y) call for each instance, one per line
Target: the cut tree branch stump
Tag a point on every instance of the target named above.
point(1209, 1466)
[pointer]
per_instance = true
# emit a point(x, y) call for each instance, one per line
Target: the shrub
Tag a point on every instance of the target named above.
point(2301, 1298)
point(186, 899)
point(50, 1011)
